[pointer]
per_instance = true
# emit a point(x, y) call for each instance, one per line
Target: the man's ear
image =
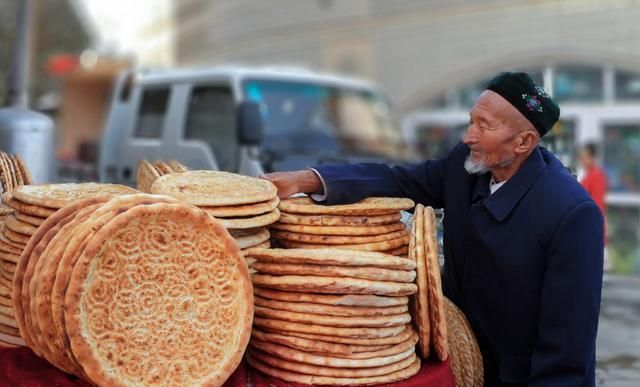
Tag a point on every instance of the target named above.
point(526, 141)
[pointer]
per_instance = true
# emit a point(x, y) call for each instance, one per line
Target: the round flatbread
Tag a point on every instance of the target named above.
point(366, 207)
point(357, 300)
point(25, 208)
point(333, 285)
point(310, 369)
point(59, 195)
point(32, 220)
point(242, 210)
point(9, 257)
point(9, 248)
point(401, 251)
point(162, 167)
point(308, 358)
point(334, 321)
point(337, 239)
point(359, 333)
point(314, 346)
point(26, 175)
point(5, 173)
point(24, 259)
point(251, 237)
point(340, 230)
point(466, 358)
point(12, 340)
point(17, 171)
point(326, 349)
point(11, 331)
point(252, 222)
point(437, 315)
point(214, 188)
point(294, 377)
point(15, 237)
point(339, 220)
point(419, 302)
point(146, 175)
point(183, 254)
point(335, 257)
point(330, 310)
point(373, 246)
point(5, 210)
point(371, 273)
point(13, 224)
point(263, 245)
point(177, 166)
point(11, 173)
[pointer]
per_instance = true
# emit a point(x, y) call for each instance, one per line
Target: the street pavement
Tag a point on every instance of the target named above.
point(618, 344)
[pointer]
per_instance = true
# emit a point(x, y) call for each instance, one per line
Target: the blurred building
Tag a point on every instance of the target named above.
point(434, 56)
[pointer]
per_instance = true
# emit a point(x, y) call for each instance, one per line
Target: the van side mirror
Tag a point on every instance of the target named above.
point(250, 125)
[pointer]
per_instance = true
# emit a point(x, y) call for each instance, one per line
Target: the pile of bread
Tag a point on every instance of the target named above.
point(333, 317)
point(134, 289)
point(244, 205)
point(373, 224)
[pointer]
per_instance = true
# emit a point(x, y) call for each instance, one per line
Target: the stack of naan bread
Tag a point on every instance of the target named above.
point(332, 316)
point(135, 290)
point(13, 172)
point(32, 205)
point(372, 224)
point(149, 172)
point(442, 328)
point(244, 205)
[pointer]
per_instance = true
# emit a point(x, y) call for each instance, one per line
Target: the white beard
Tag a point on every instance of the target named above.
point(475, 167)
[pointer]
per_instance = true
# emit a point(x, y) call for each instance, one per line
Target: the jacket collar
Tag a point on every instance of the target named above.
point(501, 203)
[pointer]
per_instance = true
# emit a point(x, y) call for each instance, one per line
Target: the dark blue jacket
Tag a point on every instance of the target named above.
point(524, 264)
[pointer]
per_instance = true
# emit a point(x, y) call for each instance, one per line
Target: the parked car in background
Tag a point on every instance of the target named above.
point(245, 120)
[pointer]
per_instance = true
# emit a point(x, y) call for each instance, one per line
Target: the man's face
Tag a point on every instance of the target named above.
point(490, 136)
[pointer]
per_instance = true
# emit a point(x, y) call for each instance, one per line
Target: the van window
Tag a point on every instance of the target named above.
point(211, 118)
point(153, 109)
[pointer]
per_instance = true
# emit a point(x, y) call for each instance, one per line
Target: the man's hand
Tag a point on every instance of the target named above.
point(290, 183)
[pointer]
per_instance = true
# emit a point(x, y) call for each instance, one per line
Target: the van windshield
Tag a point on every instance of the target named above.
point(323, 119)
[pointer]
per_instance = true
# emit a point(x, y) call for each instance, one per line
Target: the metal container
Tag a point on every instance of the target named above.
point(32, 136)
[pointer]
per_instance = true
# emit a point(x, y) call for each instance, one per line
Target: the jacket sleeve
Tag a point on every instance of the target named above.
point(564, 354)
point(422, 182)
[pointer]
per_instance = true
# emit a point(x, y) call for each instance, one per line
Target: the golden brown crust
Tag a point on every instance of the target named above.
point(11, 201)
point(310, 369)
point(251, 222)
point(329, 310)
point(214, 188)
point(371, 273)
point(357, 333)
point(252, 209)
point(355, 300)
point(145, 176)
point(59, 195)
point(211, 355)
point(26, 253)
point(436, 303)
point(336, 240)
point(373, 246)
point(420, 300)
point(336, 257)
point(314, 346)
point(26, 218)
point(333, 285)
point(340, 230)
point(334, 321)
point(339, 220)
point(307, 358)
point(18, 226)
point(367, 207)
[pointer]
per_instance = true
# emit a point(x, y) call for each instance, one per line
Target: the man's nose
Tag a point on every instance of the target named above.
point(470, 137)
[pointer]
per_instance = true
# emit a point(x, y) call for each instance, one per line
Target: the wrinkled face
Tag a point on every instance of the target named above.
point(491, 134)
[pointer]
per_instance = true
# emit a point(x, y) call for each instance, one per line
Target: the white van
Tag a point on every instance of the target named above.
point(244, 120)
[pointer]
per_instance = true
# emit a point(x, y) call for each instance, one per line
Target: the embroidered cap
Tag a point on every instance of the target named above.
point(528, 97)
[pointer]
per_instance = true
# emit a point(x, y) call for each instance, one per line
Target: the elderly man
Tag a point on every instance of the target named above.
point(522, 242)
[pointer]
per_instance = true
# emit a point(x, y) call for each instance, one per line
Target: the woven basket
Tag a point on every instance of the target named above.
point(466, 360)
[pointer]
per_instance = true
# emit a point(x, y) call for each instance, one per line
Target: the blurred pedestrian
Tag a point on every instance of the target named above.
point(595, 182)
